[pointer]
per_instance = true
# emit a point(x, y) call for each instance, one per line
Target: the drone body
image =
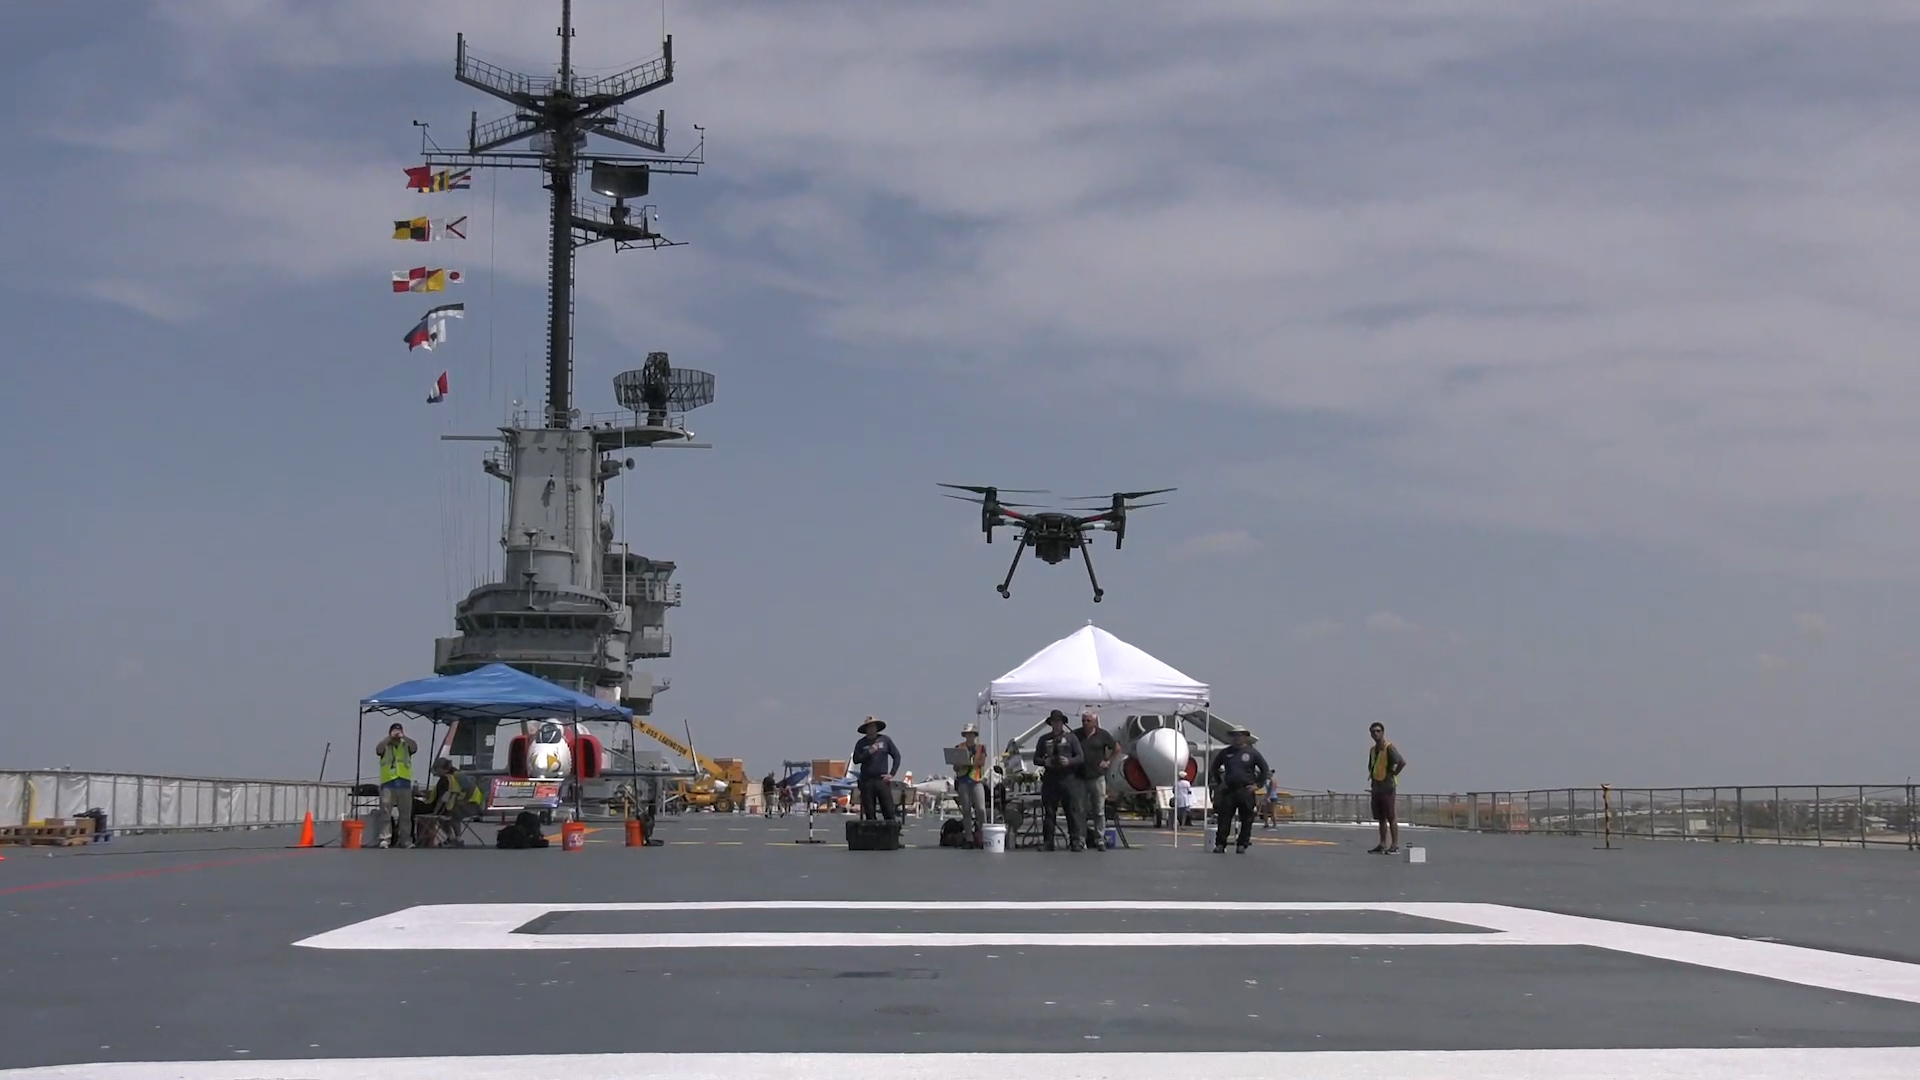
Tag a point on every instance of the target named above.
point(1054, 535)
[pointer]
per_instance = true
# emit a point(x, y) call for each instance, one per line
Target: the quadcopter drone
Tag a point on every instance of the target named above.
point(1054, 535)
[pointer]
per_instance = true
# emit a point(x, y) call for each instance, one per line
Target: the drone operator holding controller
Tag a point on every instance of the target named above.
point(878, 760)
point(1058, 751)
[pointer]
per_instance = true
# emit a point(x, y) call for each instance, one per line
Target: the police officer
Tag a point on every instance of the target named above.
point(1237, 772)
point(1058, 752)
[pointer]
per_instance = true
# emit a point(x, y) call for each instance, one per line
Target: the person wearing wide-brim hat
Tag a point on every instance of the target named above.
point(1236, 772)
point(1059, 753)
point(969, 785)
point(878, 759)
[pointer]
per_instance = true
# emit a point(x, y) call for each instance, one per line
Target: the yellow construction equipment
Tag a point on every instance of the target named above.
point(722, 783)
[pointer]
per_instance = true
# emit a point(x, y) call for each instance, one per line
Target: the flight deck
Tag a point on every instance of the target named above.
point(229, 955)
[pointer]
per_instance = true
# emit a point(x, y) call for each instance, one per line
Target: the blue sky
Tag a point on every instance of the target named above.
point(1537, 378)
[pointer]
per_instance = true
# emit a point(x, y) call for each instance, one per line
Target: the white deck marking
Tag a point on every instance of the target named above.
point(493, 926)
point(1745, 1063)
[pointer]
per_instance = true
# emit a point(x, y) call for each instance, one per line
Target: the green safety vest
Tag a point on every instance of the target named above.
point(1380, 762)
point(971, 770)
point(396, 764)
point(463, 787)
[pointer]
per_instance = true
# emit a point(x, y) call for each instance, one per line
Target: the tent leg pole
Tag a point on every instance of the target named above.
point(359, 751)
point(576, 764)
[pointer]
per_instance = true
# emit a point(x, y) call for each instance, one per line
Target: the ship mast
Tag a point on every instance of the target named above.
point(573, 605)
point(555, 115)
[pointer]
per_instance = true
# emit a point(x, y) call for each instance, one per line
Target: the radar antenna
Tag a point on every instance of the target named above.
point(658, 388)
point(556, 114)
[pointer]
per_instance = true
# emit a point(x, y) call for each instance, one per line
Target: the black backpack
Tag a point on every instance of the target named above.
point(523, 833)
point(950, 833)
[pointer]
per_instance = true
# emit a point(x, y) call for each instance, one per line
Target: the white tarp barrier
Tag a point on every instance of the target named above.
point(136, 803)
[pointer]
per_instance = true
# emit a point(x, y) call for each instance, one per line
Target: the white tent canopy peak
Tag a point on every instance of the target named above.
point(1092, 667)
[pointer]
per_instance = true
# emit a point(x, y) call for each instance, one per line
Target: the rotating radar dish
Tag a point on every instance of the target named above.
point(659, 389)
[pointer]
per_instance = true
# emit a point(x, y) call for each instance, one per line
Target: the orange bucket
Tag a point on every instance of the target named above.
point(636, 833)
point(573, 836)
point(350, 834)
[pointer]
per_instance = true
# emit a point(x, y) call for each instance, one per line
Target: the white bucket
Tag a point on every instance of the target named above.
point(993, 838)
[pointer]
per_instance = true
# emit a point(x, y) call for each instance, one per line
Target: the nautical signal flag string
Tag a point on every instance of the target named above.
point(431, 330)
point(423, 279)
point(432, 327)
point(423, 179)
point(426, 229)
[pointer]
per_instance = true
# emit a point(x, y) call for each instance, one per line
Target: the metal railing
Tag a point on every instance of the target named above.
point(675, 421)
point(144, 803)
point(647, 590)
point(1860, 815)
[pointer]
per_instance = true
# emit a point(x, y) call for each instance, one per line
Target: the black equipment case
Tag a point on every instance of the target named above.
point(873, 835)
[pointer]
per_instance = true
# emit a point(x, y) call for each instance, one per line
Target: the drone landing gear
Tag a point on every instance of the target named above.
point(1086, 555)
point(1005, 585)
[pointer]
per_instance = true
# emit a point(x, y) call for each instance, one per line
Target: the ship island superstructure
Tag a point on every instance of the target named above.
point(574, 605)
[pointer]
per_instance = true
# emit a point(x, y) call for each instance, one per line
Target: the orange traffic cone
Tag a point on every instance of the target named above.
point(306, 831)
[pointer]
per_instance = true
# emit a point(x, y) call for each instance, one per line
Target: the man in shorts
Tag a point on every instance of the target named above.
point(1383, 778)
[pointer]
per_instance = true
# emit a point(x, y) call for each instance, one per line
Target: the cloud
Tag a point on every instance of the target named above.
point(1231, 542)
point(1321, 630)
point(1769, 662)
point(1812, 624)
point(1386, 622)
point(129, 667)
point(1629, 271)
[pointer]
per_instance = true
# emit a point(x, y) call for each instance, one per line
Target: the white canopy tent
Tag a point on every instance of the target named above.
point(1088, 668)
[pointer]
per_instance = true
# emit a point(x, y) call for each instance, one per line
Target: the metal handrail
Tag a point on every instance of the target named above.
point(1856, 815)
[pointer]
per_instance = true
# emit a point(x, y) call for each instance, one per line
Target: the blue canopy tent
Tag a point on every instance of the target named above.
point(494, 692)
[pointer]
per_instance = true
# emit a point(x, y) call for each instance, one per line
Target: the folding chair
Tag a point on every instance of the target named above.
point(427, 829)
point(469, 827)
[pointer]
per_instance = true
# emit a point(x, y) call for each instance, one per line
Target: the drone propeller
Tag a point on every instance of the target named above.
point(980, 490)
point(983, 502)
point(1123, 496)
point(1115, 516)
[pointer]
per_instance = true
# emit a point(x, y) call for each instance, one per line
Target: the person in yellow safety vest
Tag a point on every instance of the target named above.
point(1383, 777)
point(969, 786)
point(396, 781)
point(456, 796)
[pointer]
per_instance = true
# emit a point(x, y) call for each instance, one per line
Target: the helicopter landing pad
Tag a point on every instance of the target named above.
point(735, 951)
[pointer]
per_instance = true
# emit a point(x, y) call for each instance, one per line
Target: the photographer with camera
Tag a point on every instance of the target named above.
point(396, 782)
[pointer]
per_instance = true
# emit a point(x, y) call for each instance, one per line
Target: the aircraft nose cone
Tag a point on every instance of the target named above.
point(1162, 752)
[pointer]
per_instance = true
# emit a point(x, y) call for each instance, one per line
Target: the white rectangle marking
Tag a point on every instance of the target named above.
point(804, 940)
point(1745, 1063)
point(492, 926)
